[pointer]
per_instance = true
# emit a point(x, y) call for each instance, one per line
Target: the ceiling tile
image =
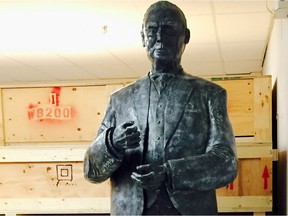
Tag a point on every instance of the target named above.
point(194, 7)
point(202, 29)
point(243, 50)
point(113, 71)
point(236, 6)
point(90, 58)
point(133, 55)
point(5, 78)
point(64, 73)
point(242, 67)
point(8, 62)
point(196, 52)
point(24, 74)
point(38, 59)
point(141, 69)
point(80, 49)
point(188, 7)
point(243, 27)
point(203, 68)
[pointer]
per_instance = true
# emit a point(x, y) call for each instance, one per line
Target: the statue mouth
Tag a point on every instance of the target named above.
point(160, 51)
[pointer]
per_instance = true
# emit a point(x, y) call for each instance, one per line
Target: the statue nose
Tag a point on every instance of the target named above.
point(159, 34)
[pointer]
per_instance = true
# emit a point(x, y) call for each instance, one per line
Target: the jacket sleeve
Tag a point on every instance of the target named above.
point(215, 168)
point(100, 160)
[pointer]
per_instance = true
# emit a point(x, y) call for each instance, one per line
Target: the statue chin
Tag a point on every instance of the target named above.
point(163, 59)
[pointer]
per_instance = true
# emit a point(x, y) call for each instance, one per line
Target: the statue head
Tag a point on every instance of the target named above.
point(164, 32)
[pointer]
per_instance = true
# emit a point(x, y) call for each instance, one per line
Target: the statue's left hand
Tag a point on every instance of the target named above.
point(149, 176)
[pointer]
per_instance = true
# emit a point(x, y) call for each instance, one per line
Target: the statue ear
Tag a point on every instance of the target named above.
point(143, 38)
point(187, 36)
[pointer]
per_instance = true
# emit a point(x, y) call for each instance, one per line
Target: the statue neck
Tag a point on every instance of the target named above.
point(164, 67)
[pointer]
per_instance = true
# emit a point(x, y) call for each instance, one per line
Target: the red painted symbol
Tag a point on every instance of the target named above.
point(265, 175)
point(52, 111)
point(54, 96)
point(231, 186)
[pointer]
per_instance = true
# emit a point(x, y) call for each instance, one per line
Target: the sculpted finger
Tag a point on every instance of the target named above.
point(128, 124)
point(133, 145)
point(133, 137)
point(144, 168)
point(136, 175)
point(131, 130)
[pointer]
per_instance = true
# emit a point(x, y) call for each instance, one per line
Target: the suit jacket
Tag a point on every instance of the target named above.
point(199, 146)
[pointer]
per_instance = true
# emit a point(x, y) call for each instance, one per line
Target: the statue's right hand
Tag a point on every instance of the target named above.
point(126, 136)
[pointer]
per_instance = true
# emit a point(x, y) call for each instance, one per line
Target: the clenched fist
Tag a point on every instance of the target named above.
point(150, 176)
point(126, 136)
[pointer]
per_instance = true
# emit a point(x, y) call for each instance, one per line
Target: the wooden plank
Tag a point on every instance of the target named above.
point(255, 177)
point(42, 154)
point(48, 180)
point(75, 152)
point(263, 109)
point(55, 206)
point(66, 180)
point(2, 143)
point(255, 151)
point(54, 114)
point(102, 205)
point(240, 101)
point(59, 114)
point(245, 204)
point(230, 190)
point(259, 214)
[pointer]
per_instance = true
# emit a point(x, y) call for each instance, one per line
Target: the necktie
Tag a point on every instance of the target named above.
point(161, 80)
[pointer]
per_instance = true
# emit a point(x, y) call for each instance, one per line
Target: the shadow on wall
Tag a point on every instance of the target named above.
point(280, 166)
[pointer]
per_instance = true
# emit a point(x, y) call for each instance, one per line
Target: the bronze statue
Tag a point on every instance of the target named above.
point(165, 142)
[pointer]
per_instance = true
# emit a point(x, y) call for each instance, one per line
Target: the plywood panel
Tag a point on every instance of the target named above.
point(230, 190)
point(48, 180)
point(240, 95)
point(102, 205)
point(1, 122)
point(262, 107)
point(254, 179)
point(58, 114)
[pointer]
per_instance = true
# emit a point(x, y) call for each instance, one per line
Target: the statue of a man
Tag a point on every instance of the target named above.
point(165, 142)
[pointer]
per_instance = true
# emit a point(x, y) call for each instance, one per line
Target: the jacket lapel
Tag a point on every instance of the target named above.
point(181, 91)
point(141, 101)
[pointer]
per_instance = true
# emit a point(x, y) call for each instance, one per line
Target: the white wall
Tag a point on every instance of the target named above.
point(276, 64)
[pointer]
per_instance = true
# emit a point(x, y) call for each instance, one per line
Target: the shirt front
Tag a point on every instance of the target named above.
point(158, 200)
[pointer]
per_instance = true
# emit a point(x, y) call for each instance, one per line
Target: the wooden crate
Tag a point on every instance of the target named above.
point(50, 182)
point(43, 185)
point(41, 160)
point(249, 107)
point(53, 114)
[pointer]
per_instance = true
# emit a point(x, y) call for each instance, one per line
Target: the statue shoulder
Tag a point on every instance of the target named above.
point(130, 88)
point(204, 84)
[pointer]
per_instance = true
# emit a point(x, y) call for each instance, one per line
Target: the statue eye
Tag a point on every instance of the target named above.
point(151, 30)
point(169, 30)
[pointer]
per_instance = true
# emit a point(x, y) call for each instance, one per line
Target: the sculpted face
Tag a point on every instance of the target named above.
point(164, 33)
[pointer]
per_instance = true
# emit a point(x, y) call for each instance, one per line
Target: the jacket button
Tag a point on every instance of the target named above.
point(157, 191)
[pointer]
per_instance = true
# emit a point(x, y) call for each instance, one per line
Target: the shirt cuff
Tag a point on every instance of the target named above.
point(111, 148)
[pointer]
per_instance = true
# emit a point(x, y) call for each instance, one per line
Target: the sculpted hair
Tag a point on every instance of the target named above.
point(165, 5)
